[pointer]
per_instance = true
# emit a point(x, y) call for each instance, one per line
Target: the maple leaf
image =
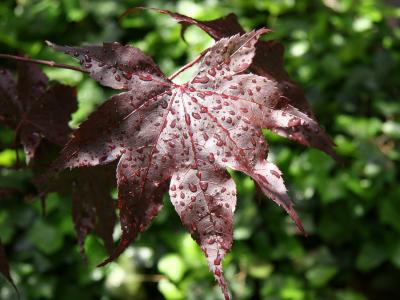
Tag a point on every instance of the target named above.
point(93, 209)
point(185, 137)
point(268, 62)
point(5, 268)
point(35, 109)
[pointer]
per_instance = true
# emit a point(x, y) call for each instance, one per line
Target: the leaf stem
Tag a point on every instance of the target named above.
point(187, 66)
point(48, 63)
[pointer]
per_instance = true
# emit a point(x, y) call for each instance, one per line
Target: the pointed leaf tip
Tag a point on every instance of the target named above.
point(123, 244)
point(292, 213)
point(5, 269)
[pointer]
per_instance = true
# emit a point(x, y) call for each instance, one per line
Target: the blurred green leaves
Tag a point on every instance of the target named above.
point(45, 237)
point(172, 266)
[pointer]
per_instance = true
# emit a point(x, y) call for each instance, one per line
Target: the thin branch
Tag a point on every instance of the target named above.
point(187, 66)
point(48, 63)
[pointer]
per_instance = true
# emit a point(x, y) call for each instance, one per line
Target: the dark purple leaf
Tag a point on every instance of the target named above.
point(218, 28)
point(35, 109)
point(8, 97)
point(93, 209)
point(5, 268)
point(92, 205)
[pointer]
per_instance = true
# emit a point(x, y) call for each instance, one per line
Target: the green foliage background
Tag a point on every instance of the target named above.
point(346, 56)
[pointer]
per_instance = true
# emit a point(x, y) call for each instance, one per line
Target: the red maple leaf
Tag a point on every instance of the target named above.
point(34, 108)
point(268, 62)
point(185, 137)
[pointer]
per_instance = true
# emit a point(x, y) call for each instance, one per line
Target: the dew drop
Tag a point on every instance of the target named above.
point(127, 75)
point(203, 186)
point(192, 188)
point(294, 122)
point(275, 173)
point(145, 77)
point(187, 119)
point(212, 72)
point(164, 104)
point(217, 261)
point(196, 116)
point(201, 79)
